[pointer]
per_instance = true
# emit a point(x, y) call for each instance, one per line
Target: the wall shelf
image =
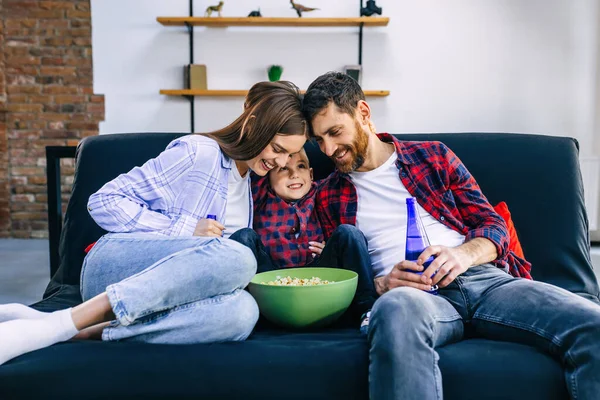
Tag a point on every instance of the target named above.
point(242, 93)
point(264, 21)
point(221, 22)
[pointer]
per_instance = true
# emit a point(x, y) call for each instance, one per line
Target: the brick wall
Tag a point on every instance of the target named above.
point(4, 190)
point(47, 56)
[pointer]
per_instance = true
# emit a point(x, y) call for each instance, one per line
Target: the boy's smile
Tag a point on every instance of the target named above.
point(293, 181)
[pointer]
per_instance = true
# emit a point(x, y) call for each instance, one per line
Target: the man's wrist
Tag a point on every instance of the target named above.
point(467, 256)
point(477, 251)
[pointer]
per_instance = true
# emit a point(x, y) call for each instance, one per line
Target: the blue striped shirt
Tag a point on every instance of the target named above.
point(169, 194)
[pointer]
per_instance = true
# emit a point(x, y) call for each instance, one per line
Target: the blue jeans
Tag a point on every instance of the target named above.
point(172, 290)
point(407, 325)
point(347, 248)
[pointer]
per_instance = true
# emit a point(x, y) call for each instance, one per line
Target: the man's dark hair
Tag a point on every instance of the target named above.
point(336, 87)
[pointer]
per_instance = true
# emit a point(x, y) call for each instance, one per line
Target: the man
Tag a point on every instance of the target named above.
point(478, 278)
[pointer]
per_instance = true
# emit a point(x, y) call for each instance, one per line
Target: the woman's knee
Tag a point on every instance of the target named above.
point(246, 317)
point(241, 257)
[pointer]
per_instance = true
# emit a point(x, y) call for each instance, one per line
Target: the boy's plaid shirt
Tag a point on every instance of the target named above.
point(277, 222)
point(442, 185)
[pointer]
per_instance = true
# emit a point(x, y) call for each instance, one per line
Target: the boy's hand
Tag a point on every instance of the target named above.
point(209, 227)
point(316, 248)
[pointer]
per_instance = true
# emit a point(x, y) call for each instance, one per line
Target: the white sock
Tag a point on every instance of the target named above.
point(22, 336)
point(8, 312)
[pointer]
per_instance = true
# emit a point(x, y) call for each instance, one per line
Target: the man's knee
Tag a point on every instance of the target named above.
point(399, 306)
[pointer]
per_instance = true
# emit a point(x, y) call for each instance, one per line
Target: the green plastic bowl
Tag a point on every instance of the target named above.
point(304, 306)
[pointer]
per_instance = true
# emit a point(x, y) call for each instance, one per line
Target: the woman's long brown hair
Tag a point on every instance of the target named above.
point(270, 108)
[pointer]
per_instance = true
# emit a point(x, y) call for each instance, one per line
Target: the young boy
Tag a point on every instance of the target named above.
point(288, 234)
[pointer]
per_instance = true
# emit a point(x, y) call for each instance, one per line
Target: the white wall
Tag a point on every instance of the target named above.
point(464, 65)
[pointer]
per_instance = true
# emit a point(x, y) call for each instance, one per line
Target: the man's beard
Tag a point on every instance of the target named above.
point(357, 151)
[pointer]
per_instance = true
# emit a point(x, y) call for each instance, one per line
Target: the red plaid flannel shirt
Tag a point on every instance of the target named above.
point(442, 185)
point(277, 222)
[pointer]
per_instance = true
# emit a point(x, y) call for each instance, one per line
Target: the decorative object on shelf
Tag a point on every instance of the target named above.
point(190, 22)
point(355, 72)
point(210, 9)
point(370, 9)
point(275, 72)
point(194, 77)
point(274, 21)
point(300, 8)
point(255, 13)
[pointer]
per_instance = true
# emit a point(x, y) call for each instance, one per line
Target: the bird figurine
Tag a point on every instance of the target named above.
point(370, 9)
point(255, 13)
point(300, 8)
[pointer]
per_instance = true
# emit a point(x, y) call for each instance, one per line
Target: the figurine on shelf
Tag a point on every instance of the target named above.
point(370, 9)
point(300, 8)
point(210, 9)
point(255, 13)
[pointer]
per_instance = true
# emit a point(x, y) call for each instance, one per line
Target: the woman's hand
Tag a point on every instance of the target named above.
point(316, 248)
point(209, 227)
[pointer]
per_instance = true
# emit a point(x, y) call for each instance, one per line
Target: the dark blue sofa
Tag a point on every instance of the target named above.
point(539, 178)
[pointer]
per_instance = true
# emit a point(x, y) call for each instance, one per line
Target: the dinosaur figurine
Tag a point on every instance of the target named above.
point(255, 13)
point(300, 8)
point(370, 9)
point(211, 9)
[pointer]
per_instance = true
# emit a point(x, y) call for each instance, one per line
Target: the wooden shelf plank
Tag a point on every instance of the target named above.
point(242, 93)
point(264, 21)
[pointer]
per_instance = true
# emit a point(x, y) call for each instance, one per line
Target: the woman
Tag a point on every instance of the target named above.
point(166, 273)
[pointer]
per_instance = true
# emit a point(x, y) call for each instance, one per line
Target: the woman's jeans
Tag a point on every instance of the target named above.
point(172, 290)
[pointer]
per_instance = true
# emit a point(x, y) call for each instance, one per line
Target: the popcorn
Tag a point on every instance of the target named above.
point(289, 281)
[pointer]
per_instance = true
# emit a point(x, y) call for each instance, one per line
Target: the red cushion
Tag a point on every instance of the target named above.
point(514, 245)
point(87, 249)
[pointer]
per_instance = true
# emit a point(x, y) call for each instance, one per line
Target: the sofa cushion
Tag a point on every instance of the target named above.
point(270, 365)
point(514, 245)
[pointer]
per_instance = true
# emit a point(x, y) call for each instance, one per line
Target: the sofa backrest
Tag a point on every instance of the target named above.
point(537, 176)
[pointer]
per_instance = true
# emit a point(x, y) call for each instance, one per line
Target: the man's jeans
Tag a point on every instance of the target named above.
point(172, 290)
point(347, 248)
point(408, 324)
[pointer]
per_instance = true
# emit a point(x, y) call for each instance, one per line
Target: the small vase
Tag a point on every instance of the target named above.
point(275, 72)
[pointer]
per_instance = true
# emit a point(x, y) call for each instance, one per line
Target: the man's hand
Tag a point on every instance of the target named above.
point(209, 227)
point(403, 274)
point(316, 248)
point(449, 263)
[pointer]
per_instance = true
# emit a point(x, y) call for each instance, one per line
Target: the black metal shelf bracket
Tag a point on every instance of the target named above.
point(190, 29)
point(360, 43)
point(192, 108)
